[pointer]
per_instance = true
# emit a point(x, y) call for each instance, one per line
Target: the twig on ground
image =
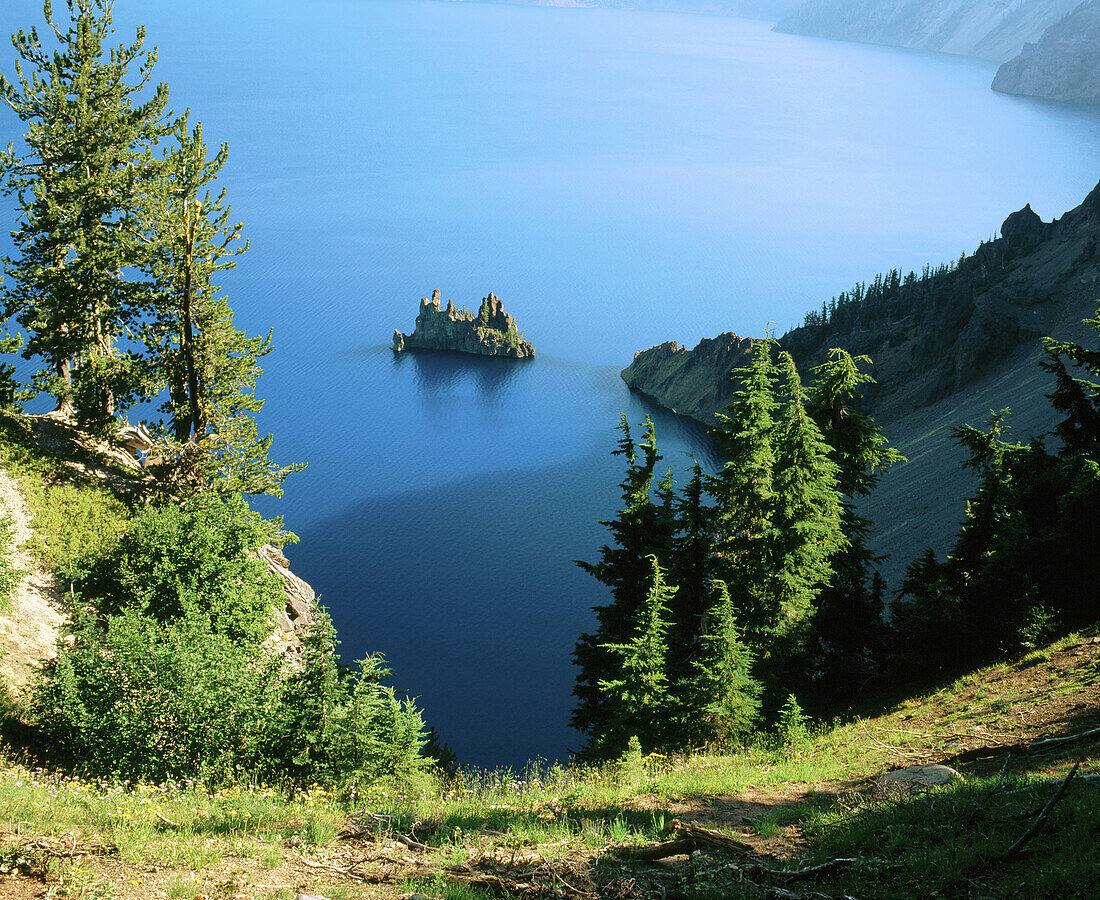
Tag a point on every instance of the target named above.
point(1018, 847)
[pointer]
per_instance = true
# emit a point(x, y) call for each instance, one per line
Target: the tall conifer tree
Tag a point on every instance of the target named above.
point(210, 365)
point(636, 693)
point(624, 567)
point(92, 121)
point(720, 697)
point(849, 632)
point(807, 514)
point(742, 494)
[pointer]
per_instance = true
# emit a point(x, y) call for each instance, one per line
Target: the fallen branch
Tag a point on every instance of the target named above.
point(809, 872)
point(1065, 739)
point(711, 838)
point(166, 820)
point(1018, 847)
point(656, 851)
point(411, 844)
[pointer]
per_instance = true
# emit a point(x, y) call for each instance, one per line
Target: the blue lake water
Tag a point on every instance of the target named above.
point(618, 179)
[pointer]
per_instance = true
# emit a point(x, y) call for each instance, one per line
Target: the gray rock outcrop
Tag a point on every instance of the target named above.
point(297, 615)
point(695, 383)
point(926, 776)
point(1063, 65)
point(988, 29)
point(489, 332)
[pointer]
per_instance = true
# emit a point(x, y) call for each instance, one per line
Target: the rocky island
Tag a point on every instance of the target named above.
point(491, 332)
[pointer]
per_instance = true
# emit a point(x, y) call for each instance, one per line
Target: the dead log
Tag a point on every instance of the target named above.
point(711, 838)
point(808, 872)
point(1038, 746)
point(651, 852)
point(411, 844)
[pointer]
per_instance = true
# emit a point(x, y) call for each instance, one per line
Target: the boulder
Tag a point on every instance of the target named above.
point(925, 776)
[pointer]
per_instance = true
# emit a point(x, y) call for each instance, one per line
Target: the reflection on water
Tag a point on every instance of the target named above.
point(440, 375)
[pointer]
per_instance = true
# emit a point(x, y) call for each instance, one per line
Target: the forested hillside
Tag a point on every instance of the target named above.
point(948, 344)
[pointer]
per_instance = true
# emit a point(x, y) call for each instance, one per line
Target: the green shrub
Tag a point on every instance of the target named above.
point(139, 698)
point(346, 728)
point(9, 573)
point(194, 559)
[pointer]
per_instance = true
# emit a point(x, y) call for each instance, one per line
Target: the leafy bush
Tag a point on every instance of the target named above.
point(9, 573)
point(194, 559)
point(140, 698)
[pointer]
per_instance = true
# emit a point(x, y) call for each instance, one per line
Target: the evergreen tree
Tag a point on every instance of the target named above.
point(88, 161)
point(624, 568)
point(689, 562)
point(807, 512)
point(742, 494)
point(209, 365)
point(721, 699)
point(314, 707)
point(636, 695)
point(1078, 399)
point(849, 632)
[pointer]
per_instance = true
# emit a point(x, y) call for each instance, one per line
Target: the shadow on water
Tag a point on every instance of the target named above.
point(439, 373)
point(470, 591)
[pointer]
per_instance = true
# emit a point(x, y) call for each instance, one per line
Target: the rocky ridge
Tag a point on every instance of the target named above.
point(490, 332)
point(988, 29)
point(948, 347)
point(1064, 64)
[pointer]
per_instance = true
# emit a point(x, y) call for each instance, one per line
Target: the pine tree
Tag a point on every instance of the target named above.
point(689, 562)
point(314, 707)
point(624, 568)
point(721, 699)
point(637, 693)
point(808, 530)
point(742, 495)
point(849, 630)
point(209, 365)
point(1078, 399)
point(88, 161)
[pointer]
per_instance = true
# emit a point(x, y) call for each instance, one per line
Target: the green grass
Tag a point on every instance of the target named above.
point(75, 520)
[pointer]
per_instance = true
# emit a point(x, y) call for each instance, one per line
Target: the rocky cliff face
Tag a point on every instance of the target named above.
point(491, 332)
point(988, 29)
point(1063, 65)
point(763, 9)
point(295, 619)
point(694, 383)
point(930, 336)
point(948, 347)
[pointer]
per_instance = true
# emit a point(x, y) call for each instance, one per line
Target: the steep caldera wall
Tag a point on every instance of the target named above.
point(948, 347)
point(1063, 65)
point(491, 332)
point(770, 10)
point(989, 29)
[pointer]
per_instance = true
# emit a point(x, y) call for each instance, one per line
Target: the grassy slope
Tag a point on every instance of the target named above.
point(553, 827)
point(554, 831)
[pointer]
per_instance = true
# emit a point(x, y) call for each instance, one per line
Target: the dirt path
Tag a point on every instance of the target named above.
point(29, 630)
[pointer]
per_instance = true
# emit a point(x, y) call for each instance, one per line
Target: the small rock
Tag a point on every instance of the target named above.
point(929, 776)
